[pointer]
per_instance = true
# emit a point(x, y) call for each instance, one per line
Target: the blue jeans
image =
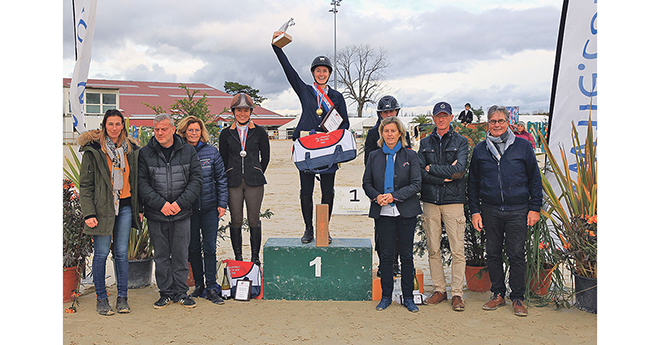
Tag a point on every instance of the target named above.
point(505, 230)
point(206, 225)
point(119, 237)
point(393, 232)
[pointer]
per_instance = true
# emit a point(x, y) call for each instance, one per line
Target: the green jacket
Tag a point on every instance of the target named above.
point(96, 187)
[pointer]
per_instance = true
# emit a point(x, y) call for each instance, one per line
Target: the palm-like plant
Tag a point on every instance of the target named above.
point(573, 210)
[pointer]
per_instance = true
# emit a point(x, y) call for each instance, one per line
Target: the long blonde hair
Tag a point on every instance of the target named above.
point(399, 126)
point(187, 121)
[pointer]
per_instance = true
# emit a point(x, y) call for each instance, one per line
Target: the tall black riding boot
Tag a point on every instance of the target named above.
point(255, 243)
point(307, 207)
point(236, 242)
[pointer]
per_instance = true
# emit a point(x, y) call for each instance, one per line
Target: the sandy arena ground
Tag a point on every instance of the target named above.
point(318, 322)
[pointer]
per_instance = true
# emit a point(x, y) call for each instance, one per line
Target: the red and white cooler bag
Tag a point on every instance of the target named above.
point(318, 152)
point(238, 270)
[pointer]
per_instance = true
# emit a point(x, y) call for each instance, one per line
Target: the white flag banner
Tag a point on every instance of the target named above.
point(574, 89)
point(84, 22)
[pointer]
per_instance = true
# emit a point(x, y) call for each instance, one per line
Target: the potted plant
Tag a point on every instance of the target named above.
point(76, 246)
point(140, 257)
point(476, 269)
point(541, 270)
point(573, 213)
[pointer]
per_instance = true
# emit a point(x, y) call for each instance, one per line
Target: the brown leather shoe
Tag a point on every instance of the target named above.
point(494, 302)
point(436, 298)
point(518, 308)
point(457, 303)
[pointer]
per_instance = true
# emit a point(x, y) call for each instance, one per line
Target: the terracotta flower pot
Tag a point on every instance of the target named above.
point(477, 278)
point(190, 281)
point(540, 285)
point(70, 279)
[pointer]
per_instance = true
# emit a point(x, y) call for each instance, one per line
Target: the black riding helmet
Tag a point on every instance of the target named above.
point(387, 103)
point(321, 61)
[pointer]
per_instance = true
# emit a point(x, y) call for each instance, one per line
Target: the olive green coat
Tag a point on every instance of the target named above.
point(96, 187)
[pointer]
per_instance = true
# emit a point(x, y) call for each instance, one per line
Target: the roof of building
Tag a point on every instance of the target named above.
point(132, 95)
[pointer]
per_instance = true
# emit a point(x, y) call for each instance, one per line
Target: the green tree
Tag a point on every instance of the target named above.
point(478, 113)
point(196, 107)
point(232, 88)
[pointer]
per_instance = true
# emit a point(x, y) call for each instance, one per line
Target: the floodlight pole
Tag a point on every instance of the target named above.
point(334, 10)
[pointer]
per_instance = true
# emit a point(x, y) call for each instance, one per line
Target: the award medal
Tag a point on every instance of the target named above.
point(322, 99)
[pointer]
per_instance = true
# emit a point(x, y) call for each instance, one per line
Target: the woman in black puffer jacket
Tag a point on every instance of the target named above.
point(245, 149)
point(210, 205)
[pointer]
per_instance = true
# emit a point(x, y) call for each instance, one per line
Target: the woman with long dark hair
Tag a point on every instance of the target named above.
point(109, 202)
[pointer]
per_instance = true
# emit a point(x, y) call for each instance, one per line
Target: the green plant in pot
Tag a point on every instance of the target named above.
point(140, 256)
point(76, 246)
point(572, 209)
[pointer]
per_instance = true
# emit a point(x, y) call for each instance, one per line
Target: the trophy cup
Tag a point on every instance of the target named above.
point(284, 38)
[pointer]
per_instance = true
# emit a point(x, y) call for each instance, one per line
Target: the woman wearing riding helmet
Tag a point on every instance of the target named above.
point(387, 106)
point(245, 150)
point(316, 100)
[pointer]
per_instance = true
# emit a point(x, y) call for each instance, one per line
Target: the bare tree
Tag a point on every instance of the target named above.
point(360, 69)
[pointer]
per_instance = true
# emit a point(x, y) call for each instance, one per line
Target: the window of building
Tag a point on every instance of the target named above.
point(99, 103)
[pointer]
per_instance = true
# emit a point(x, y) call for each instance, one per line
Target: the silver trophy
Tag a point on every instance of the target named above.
point(284, 38)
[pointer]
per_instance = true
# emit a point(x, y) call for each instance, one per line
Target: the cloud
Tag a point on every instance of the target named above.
point(211, 42)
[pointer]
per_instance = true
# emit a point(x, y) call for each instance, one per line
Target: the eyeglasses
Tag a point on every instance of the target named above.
point(443, 115)
point(194, 130)
point(494, 122)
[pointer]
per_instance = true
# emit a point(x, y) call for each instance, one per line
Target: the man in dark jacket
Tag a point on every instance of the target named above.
point(505, 195)
point(466, 115)
point(169, 182)
point(443, 159)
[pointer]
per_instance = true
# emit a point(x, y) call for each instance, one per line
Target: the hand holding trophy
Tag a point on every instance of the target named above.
point(280, 37)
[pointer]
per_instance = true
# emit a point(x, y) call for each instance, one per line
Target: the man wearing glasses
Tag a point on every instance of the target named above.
point(504, 196)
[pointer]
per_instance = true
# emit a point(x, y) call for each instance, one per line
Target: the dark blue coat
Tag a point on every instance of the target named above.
point(407, 182)
point(513, 183)
point(214, 192)
point(309, 120)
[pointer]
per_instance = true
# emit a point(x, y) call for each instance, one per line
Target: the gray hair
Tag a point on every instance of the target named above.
point(399, 126)
point(498, 108)
point(163, 117)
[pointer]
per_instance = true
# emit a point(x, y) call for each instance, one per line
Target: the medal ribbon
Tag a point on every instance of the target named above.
point(243, 135)
point(322, 97)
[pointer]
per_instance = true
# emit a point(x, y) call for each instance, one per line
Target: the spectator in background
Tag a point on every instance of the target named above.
point(466, 115)
point(521, 132)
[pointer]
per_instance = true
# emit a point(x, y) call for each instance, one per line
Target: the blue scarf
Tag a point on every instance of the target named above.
point(389, 167)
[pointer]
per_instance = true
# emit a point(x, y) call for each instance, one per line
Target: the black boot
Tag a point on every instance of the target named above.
point(307, 207)
point(236, 242)
point(199, 290)
point(255, 243)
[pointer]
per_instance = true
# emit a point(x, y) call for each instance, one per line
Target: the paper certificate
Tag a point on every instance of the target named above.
point(243, 288)
point(332, 120)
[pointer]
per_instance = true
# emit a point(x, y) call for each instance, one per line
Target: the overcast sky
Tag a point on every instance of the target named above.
point(480, 51)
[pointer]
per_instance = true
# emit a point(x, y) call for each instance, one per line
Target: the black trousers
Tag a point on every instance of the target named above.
point(505, 230)
point(389, 228)
point(307, 193)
